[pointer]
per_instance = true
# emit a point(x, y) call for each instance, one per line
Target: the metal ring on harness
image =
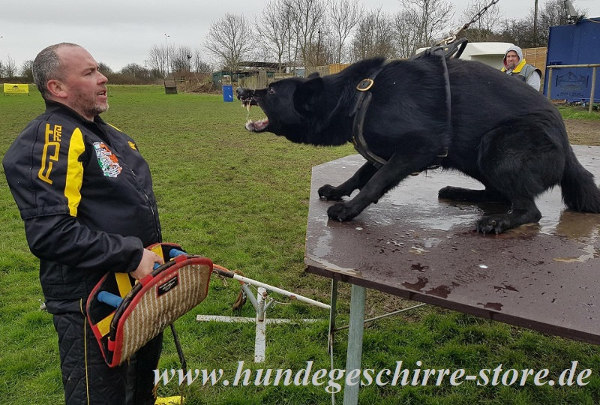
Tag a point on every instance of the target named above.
point(365, 84)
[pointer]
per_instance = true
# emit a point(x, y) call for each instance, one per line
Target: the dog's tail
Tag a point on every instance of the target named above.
point(579, 192)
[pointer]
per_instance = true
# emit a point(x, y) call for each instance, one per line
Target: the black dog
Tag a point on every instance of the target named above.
point(460, 115)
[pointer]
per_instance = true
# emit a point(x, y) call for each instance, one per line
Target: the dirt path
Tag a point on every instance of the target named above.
point(583, 132)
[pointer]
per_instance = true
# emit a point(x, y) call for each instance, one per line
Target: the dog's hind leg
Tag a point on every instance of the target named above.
point(468, 195)
point(522, 212)
point(520, 162)
point(357, 181)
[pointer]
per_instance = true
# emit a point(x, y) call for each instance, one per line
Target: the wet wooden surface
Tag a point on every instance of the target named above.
point(542, 276)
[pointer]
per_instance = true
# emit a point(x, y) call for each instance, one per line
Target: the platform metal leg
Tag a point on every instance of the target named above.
point(332, 314)
point(355, 340)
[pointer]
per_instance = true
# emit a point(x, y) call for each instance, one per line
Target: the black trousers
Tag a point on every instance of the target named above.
point(86, 377)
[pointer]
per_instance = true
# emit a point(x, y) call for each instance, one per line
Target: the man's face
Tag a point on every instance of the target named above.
point(83, 86)
point(512, 60)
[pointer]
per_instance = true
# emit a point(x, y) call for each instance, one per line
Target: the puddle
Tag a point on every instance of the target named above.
point(418, 286)
point(496, 306)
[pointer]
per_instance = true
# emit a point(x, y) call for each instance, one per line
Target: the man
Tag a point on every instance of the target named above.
point(85, 195)
point(515, 65)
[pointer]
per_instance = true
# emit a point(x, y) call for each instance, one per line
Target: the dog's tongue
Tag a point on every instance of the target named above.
point(257, 126)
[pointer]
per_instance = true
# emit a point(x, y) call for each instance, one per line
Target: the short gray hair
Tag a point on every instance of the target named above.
point(46, 66)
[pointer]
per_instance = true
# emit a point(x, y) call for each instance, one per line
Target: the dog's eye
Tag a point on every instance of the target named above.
point(271, 90)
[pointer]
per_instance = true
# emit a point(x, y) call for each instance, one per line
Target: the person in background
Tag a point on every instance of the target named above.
point(515, 65)
point(85, 195)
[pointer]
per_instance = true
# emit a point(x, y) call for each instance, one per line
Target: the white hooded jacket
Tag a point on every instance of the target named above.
point(523, 70)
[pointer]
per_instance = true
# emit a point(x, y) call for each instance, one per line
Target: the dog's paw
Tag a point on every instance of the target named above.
point(341, 212)
point(447, 193)
point(460, 194)
point(330, 193)
point(493, 224)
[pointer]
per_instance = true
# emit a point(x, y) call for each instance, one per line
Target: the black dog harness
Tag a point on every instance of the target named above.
point(364, 99)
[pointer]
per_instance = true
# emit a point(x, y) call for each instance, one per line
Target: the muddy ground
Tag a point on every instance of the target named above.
point(582, 132)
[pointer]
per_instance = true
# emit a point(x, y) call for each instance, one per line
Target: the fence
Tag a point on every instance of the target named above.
point(536, 57)
point(593, 66)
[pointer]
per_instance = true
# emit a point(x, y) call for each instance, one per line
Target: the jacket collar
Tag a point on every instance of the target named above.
point(52, 106)
point(517, 68)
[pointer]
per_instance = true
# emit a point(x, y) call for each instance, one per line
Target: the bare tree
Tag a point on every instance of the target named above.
point(374, 37)
point(230, 40)
point(181, 60)
point(521, 31)
point(158, 58)
point(26, 70)
point(483, 28)
point(344, 17)
point(554, 13)
point(135, 71)
point(276, 30)
point(104, 68)
point(320, 51)
point(407, 36)
point(198, 65)
point(309, 19)
point(9, 67)
point(428, 18)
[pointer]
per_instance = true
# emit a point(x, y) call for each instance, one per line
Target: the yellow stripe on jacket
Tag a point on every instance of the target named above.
point(74, 177)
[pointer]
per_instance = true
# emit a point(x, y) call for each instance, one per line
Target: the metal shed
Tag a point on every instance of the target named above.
point(575, 44)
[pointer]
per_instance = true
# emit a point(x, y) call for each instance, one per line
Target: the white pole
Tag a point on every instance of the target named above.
point(260, 341)
point(226, 273)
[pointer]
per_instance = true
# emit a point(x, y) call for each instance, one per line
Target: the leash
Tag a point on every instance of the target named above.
point(451, 38)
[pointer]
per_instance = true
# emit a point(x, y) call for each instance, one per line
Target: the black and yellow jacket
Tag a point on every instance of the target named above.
point(85, 195)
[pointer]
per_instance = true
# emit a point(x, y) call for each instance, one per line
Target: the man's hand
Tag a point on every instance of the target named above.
point(146, 264)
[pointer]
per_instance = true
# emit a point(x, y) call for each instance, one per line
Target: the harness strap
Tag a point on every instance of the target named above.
point(364, 97)
point(358, 139)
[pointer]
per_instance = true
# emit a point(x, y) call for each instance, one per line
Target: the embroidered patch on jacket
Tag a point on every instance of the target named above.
point(107, 161)
point(132, 145)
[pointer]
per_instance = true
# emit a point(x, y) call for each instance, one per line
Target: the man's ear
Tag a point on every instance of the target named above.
point(56, 88)
point(307, 95)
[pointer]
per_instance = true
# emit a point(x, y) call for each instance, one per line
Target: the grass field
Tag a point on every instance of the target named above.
point(241, 199)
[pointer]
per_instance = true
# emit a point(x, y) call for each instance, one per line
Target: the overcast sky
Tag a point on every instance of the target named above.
point(118, 32)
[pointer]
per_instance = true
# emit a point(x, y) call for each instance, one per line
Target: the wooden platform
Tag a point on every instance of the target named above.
point(544, 276)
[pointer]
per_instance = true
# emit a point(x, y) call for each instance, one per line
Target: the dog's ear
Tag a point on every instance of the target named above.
point(307, 95)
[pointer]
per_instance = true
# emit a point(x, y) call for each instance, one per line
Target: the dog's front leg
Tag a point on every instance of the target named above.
point(357, 181)
point(382, 180)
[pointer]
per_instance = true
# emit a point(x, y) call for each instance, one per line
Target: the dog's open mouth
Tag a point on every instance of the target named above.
point(257, 126)
point(254, 126)
point(248, 99)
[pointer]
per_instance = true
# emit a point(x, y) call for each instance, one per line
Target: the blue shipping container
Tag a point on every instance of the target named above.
point(576, 44)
